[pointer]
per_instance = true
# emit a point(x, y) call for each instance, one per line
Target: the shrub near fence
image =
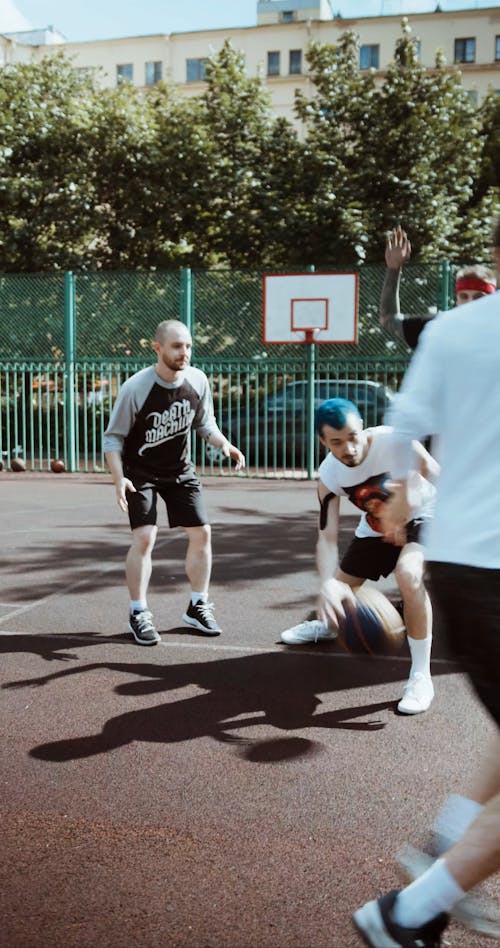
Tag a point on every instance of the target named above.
point(69, 341)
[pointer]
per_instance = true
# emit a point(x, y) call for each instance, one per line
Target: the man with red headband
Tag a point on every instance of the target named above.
point(471, 283)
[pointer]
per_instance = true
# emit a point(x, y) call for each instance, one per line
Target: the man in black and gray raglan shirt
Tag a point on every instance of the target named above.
point(147, 451)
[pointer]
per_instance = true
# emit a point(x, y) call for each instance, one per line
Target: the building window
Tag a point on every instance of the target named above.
point(196, 70)
point(288, 16)
point(472, 96)
point(497, 48)
point(369, 57)
point(125, 73)
point(153, 73)
point(465, 50)
point(273, 64)
point(295, 62)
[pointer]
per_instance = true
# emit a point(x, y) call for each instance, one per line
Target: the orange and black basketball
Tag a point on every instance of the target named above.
point(372, 626)
point(17, 465)
point(57, 466)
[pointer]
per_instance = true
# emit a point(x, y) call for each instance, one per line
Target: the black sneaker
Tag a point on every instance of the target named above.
point(375, 924)
point(142, 628)
point(201, 616)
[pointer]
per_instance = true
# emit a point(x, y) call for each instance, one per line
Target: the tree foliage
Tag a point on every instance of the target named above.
point(94, 178)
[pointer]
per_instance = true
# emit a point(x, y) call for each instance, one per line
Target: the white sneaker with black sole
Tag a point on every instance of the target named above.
point(141, 625)
point(378, 929)
point(201, 616)
point(476, 911)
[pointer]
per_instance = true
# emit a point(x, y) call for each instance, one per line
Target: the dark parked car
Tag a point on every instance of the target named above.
point(273, 430)
point(371, 398)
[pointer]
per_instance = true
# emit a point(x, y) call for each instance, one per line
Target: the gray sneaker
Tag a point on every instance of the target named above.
point(141, 626)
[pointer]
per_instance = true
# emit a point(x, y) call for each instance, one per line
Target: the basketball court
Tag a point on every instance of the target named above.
point(204, 792)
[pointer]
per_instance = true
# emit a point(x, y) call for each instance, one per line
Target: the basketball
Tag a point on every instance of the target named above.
point(17, 464)
point(373, 626)
point(1, 465)
point(57, 466)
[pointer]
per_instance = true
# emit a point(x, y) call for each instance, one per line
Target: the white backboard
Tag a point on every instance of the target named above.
point(296, 305)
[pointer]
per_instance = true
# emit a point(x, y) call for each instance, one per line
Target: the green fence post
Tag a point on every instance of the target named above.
point(186, 301)
point(445, 284)
point(311, 363)
point(69, 378)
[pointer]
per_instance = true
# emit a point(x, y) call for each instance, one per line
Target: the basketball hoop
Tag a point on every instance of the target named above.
point(307, 308)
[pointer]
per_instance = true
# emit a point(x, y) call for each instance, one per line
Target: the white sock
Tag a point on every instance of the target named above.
point(137, 605)
point(420, 651)
point(196, 597)
point(454, 818)
point(433, 892)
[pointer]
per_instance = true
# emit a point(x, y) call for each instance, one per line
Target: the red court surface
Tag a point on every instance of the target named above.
point(204, 792)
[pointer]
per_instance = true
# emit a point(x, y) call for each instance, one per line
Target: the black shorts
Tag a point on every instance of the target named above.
point(372, 557)
point(183, 498)
point(466, 602)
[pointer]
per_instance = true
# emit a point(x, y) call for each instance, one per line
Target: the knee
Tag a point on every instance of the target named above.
point(143, 539)
point(200, 537)
point(410, 581)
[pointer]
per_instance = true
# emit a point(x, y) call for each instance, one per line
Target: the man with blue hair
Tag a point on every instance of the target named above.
point(357, 467)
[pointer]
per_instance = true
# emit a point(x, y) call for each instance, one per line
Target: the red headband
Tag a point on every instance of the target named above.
point(474, 283)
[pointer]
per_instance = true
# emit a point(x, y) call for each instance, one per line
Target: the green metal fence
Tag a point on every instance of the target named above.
point(67, 342)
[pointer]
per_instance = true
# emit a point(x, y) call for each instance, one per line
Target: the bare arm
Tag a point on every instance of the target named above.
point(406, 494)
point(327, 553)
point(219, 441)
point(428, 466)
point(397, 252)
point(333, 592)
point(122, 484)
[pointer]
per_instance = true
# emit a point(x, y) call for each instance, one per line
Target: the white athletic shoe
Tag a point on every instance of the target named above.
point(476, 911)
point(309, 631)
point(417, 695)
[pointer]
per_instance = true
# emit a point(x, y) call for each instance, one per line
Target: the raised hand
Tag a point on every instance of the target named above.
point(397, 249)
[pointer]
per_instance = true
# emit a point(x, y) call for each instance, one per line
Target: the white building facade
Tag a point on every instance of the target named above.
point(275, 48)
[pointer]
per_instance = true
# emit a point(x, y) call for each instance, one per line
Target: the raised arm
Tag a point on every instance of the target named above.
point(397, 252)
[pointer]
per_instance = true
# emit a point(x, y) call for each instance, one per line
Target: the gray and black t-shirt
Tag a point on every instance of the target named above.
point(152, 419)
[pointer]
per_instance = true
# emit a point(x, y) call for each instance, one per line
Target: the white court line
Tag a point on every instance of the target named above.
point(109, 567)
point(248, 649)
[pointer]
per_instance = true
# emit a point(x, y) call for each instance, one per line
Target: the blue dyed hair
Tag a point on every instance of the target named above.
point(334, 413)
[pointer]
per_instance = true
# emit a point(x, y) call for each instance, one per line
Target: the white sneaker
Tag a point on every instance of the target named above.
point(475, 910)
point(417, 695)
point(308, 631)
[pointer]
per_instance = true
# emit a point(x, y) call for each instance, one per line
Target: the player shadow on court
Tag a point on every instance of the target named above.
point(56, 647)
point(276, 689)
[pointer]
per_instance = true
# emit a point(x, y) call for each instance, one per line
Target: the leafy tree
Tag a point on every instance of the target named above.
point(248, 152)
point(422, 147)
point(332, 227)
point(45, 173)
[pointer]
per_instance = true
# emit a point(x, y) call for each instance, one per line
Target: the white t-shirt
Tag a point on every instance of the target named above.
point(366, 484)
point(452, 388)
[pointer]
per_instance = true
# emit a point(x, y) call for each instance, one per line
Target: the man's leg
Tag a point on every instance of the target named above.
point(138, 572)
point(198, 563)
point(409, 572)
point(198, 567)
point(139, 563)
